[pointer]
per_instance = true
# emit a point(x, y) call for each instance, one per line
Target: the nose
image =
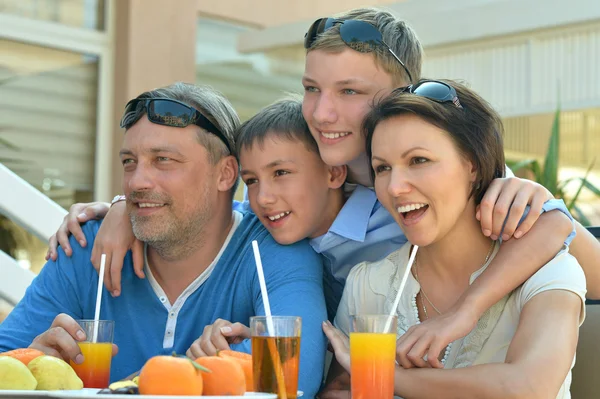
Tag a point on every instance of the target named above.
point(324, 111)
point(266, 195)
point(399, 183)
point(140, 179)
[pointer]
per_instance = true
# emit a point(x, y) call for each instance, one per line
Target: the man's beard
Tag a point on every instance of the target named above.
point(173, 236)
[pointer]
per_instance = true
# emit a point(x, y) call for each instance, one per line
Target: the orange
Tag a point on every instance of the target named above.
point(245, 360)
point(170, 375)
point(226, 376)
point(25, 355)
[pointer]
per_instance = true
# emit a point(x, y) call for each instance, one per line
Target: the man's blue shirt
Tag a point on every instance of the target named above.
point(147, 325)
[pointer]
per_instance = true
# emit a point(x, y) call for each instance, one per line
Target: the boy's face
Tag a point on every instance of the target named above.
point(289, 188)
point(339, 90)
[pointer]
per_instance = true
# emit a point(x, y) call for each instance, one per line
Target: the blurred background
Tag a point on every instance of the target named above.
point(67, 67)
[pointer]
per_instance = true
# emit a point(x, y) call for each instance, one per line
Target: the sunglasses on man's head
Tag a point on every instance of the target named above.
point(360, 36)
point(434, 90)
point(167, 112)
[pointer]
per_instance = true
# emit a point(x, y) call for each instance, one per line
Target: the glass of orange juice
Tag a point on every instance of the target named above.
point(276, 354)
point(372, 356)
point(95, 369)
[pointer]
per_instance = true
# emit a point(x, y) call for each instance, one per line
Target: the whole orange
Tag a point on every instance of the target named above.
point(226, 376)
point(245, 360)
point(170, 375)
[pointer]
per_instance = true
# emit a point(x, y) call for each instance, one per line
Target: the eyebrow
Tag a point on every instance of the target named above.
point(269, 165)
point(154, 150)
point(337, 83)
point(403, 155)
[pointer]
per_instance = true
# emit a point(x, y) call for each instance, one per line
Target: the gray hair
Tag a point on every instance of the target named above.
point(396, 33)
point(281, 119)
point(214, 106)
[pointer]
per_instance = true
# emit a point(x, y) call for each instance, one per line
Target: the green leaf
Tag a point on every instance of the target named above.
point(526, 164)
point(580, 216)
point(550, 175)
point(584, 180)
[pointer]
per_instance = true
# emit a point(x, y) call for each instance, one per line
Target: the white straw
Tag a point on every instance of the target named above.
point(388, 323)
point(263, 288)
point(99, 296)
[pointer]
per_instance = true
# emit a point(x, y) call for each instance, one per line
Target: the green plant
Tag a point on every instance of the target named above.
point(547, 175)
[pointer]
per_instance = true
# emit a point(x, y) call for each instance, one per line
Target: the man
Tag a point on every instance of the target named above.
point(180, 173)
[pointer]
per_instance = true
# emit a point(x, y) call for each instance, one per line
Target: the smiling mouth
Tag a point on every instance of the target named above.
point(149, 205)
point(275, 218)
point(412, 212)
point(335, 135)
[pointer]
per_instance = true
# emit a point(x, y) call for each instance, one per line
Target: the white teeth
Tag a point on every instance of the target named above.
point(282, 214)
point(148, 205)
point(334, 135)
point(411, 207)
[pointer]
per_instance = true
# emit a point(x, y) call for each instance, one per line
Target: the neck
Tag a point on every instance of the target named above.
point(334, 206)
point(359, 171)
point(459, 253)
point(176, 265)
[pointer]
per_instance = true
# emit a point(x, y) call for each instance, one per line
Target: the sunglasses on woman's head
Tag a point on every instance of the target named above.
point(434, 90)
point(167, 112)
point(360, 36)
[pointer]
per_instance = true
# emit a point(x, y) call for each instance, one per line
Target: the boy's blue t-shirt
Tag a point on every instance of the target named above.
point(145, 326)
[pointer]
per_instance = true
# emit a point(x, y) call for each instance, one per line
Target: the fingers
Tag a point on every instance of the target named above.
point(535, 210)
point(416, 354)
point(52, 248)
point(61, 339)
point(338, 340)
point(403, 346)
point(236, 332)
point(116, 267)
point(433, 355)
point(137, 253)
point(195, 351)
point(115, 350)
point(107, 277)
point(517, 208)
point(503, 206)
point(212, 339)
point(486, 206)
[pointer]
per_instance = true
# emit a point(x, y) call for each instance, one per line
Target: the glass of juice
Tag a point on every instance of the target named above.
point(372, 357)
point(95, 369)
point(276, 354)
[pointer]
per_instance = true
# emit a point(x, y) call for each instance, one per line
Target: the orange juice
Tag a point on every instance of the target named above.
point(95, 369)
point(287, 350)
point(372, 362)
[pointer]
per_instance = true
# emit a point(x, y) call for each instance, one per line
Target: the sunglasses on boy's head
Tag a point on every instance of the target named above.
point(164, 111)
point(433, 90)
point(360, 36)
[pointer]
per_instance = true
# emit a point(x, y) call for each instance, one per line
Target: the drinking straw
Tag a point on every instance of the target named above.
point(99, 297)
point(388, 322)
point(270, 327)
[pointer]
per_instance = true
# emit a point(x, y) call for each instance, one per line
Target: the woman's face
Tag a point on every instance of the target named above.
point(421, 178)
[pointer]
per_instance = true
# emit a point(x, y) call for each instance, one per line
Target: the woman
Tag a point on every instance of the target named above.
point(434, 150)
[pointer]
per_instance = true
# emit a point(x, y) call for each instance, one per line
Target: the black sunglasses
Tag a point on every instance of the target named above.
point(433, 90)
point(360, 36)
point(164, 111)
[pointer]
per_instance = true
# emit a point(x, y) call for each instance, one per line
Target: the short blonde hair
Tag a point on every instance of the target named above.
point(396, 33)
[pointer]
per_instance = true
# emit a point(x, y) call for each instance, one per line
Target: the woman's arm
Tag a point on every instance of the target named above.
point(538, 359)
point(586, 249)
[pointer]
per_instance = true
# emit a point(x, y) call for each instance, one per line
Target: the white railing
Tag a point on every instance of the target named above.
point(36, 213)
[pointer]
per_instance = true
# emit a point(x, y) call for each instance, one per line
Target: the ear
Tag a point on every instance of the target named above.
point(228, 173)
point(337, 176)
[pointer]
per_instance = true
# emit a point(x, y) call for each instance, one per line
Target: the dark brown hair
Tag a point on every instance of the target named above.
point(476, 128)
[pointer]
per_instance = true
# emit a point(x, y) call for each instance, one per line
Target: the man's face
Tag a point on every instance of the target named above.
point(339, 90)
point(168, 181)
point(288, 189)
